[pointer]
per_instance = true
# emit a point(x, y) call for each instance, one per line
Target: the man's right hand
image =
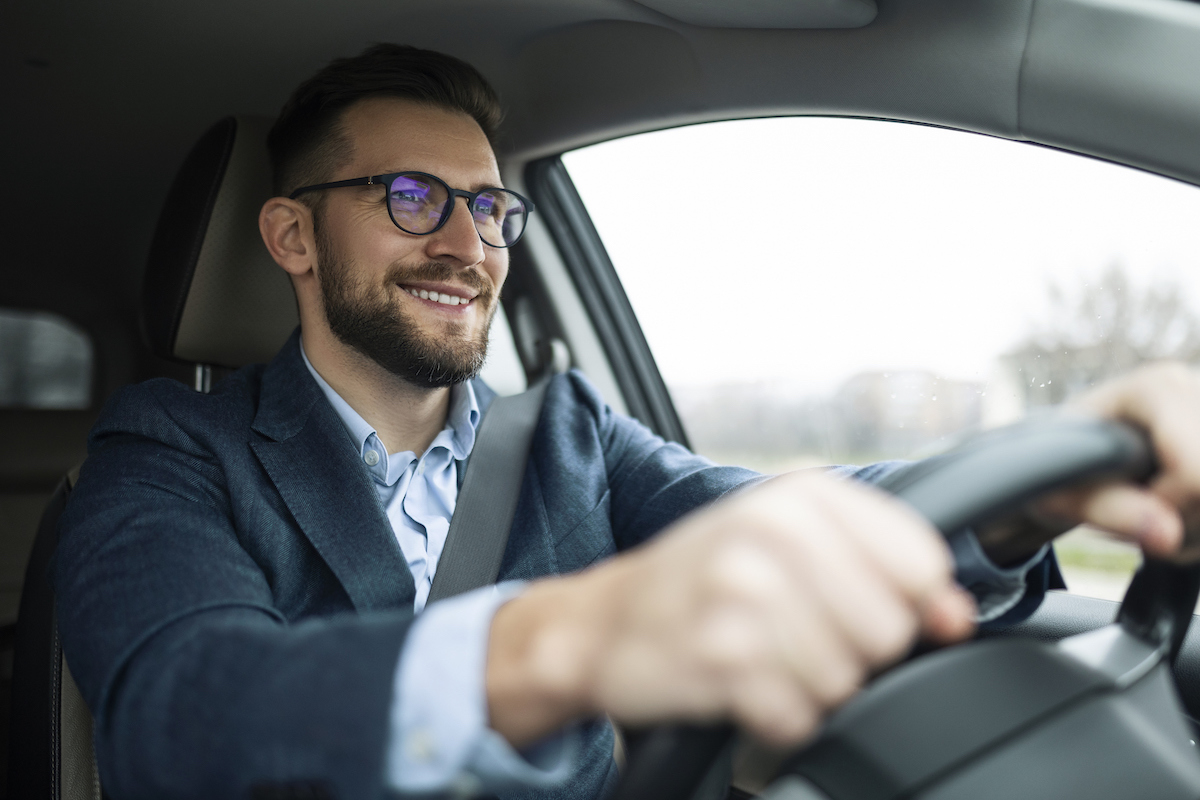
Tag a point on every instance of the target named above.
point(769, 608)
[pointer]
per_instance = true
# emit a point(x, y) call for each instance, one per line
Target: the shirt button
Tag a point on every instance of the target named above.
point(421, 468)
point(371, 457)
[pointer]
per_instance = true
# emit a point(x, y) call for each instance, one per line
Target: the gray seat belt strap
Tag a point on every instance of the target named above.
point(487, 502)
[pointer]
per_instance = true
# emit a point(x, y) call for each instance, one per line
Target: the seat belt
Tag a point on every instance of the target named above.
point(487, 502)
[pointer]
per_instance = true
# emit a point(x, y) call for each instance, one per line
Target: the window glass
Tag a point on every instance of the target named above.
point(45, 362)
point(503, 371)
point(824, 291)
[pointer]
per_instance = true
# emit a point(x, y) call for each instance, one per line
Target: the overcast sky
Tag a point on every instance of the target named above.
point(807, 250)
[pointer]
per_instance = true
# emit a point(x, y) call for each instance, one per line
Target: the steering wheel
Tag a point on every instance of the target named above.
point(972, 706)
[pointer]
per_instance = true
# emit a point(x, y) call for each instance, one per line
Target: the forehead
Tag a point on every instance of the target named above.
point(391, 134)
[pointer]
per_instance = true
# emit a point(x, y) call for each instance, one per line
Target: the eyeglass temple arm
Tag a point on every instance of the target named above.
point(368, 181)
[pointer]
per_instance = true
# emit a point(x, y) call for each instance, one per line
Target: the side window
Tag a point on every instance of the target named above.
point(45, 362)
point(503, 371)
point(822, 291)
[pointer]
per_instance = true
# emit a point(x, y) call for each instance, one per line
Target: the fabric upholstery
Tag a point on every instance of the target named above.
point(78, 778)
point(212, 294)
point(53, 758)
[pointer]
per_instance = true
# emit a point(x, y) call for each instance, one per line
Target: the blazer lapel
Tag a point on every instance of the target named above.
point(314, 465)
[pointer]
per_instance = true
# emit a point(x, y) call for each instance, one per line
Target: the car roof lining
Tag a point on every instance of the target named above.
point(117, 93)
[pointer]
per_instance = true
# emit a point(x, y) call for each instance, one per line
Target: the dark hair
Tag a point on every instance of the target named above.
point(307, 143)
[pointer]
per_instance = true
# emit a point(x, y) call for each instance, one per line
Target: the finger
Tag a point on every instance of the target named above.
point(1161, 398)
point(949, 617)
point(865, 609)
point(896, 540)
point(904, 548)
point(785, 628)
point(771, 708)
point(916, 556)
point(1130, 512)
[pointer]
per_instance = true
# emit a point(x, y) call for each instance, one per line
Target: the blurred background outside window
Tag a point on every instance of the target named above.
point(833, 291)
point(45, 362)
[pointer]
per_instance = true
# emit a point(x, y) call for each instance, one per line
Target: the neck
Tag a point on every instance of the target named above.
point(406, 417)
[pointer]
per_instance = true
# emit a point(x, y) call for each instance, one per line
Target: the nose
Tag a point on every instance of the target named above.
point(457, 239)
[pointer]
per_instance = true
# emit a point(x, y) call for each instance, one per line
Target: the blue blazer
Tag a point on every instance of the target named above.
point(232, 600)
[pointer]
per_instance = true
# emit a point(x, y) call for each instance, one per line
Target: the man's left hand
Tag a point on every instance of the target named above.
point(1163, 399)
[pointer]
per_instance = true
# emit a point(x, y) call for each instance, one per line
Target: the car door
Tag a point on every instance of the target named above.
point(791, 292)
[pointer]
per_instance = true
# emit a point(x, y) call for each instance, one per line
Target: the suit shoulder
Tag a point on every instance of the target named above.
point(155, 407)
point(572, 392)
point(574, 407)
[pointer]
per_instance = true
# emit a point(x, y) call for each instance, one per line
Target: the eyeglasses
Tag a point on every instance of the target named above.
point(420, 204)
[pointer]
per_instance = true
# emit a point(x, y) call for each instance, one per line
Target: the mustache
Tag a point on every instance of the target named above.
point(443, 273)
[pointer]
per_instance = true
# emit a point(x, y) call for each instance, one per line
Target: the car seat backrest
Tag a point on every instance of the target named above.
point(212, 294)
point(79, 778)
point(50, 752)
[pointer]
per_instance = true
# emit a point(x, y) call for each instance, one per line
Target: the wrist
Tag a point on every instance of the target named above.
point(542, 649)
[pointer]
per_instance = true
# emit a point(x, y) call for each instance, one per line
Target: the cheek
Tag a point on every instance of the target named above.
point(496, 266)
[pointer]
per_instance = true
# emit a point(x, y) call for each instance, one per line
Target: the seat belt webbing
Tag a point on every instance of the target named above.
point(487, 502)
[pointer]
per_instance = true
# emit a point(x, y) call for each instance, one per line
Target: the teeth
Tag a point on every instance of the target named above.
point(445, 299)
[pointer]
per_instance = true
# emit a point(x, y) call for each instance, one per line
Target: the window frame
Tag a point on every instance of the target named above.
point(603, 296)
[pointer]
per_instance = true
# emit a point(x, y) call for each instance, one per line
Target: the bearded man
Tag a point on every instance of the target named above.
point(242, 576)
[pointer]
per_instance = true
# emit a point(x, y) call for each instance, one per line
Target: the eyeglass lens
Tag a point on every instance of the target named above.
point(418, 203)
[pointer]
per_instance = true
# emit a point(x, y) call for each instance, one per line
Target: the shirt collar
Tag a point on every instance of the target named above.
point(461, 422)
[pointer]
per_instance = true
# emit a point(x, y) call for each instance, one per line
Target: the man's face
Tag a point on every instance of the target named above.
point(368, 268)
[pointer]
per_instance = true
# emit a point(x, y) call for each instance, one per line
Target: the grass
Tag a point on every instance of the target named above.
point(1089, 549)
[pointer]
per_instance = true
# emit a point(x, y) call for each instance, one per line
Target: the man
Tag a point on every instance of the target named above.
point(239, 574)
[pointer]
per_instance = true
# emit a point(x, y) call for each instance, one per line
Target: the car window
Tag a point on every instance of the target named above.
point(503, 371)
point(821, 290)
point(45, 362)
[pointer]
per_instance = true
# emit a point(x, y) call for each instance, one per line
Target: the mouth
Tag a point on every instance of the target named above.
point(441, 294)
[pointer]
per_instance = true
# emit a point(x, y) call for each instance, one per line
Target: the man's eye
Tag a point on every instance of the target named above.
point(490, 207)
point(407, 197)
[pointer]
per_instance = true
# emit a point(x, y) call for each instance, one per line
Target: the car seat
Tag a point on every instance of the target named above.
point(213, 297)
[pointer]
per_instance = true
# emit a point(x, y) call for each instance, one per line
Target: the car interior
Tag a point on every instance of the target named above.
point(136, 164)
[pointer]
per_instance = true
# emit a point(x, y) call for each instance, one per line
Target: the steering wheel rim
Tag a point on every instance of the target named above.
point(986, 477)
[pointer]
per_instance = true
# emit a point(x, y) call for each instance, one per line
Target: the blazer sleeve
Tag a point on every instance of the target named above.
point(198, 685)
point(650, 482)
point(653, 482)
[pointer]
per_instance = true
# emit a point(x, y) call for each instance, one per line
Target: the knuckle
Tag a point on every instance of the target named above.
point(717, 581)
point(890, 641)
point(726, 659)
point(840, 684)
point(933, 566)
point(1175, 371)
point(777, 715)
point(1168, 376)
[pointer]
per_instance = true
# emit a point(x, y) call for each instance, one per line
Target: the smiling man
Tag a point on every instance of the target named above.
point(242, 577)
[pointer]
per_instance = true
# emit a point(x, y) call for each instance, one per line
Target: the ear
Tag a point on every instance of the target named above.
point(287, 230)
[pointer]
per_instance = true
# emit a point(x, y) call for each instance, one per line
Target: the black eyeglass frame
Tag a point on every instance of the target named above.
point(452, 195)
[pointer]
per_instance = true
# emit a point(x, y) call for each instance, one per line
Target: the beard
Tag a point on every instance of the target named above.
point(367, 318)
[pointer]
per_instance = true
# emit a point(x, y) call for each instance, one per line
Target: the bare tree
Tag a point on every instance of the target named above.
point(1106, 328)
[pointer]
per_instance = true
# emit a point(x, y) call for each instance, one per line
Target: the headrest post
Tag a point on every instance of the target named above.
point(203, 380)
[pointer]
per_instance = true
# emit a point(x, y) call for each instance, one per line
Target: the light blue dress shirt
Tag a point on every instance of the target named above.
point(439, 738)
point(418, 493)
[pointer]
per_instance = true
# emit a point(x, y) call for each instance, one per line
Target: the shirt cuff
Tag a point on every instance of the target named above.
point(996, 589)
point(439, 737)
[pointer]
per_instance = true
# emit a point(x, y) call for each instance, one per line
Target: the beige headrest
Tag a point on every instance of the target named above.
point(212, 294)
